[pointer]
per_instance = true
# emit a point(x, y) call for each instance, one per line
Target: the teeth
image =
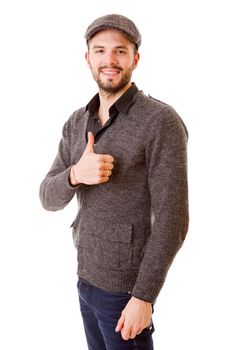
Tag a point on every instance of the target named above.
point(110, 72)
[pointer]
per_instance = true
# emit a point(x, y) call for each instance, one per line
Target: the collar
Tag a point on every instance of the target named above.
point(122, 104)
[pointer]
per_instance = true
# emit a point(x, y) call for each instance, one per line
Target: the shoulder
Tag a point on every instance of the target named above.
point(77, 116)
point(75, 120)
point(74, 124)
point(148, 104)
point(155, 113)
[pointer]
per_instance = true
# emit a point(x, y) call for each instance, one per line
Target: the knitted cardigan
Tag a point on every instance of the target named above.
point(128, 230)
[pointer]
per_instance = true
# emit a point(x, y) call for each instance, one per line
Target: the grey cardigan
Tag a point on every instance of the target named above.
point(128, 230)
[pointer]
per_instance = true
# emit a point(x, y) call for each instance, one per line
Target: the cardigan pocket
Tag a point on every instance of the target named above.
point(114, 246)
point(107, 245)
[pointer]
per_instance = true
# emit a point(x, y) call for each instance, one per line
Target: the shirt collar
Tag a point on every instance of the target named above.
point(122, 104)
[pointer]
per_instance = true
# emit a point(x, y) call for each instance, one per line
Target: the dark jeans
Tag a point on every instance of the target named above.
point(101, 311)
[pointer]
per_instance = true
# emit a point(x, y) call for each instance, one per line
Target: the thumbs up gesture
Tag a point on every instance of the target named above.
point(92, 168)
point(90, 143)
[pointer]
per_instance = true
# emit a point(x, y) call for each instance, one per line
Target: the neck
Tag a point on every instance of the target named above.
point(107, 99)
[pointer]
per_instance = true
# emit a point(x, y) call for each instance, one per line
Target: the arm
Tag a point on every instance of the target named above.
point(167, 180)
point(56, 190)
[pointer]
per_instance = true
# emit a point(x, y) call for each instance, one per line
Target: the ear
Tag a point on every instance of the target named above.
point(87, 58)
point(136, 59)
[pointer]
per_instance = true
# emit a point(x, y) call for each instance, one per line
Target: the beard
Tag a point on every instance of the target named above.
point(110, 86)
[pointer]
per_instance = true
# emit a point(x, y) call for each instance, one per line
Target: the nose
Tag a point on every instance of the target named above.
point(110, 58)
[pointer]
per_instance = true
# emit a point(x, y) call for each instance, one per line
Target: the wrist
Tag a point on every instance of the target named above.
point(73, 178)
point(144, 301)
point(141, 300)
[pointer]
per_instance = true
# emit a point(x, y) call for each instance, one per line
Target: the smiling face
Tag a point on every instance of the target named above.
point(112, 59)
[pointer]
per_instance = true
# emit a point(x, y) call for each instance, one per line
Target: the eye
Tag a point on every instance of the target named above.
point(121, 52)
point(99, 51)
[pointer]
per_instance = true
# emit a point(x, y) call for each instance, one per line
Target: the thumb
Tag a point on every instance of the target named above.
point(120, 324)
point(90, 143)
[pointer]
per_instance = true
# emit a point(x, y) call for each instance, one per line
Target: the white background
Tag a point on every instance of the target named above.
point(186, 61)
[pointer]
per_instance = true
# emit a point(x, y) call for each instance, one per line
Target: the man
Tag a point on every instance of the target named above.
point(124, 156)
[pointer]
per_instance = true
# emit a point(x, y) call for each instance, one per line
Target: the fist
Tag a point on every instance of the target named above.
point(92, 168)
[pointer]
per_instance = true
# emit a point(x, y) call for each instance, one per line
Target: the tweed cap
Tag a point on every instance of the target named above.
point(118, 22)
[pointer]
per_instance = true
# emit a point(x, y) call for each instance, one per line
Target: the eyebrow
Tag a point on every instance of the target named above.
point(98, 47)
point(116, 47)
point(122, 47)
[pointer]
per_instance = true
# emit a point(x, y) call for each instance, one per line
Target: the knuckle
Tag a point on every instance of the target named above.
point(102, 166)
point(98, 162)
point(134, 330)
point(100, 158)
point(99, 166)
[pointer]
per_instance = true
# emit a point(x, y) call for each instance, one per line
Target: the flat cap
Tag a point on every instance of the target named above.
point(118, 22)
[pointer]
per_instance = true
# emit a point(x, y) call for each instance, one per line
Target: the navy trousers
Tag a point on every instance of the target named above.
point(100, 312)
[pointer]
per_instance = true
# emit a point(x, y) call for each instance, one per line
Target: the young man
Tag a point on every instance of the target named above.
point(124, 156)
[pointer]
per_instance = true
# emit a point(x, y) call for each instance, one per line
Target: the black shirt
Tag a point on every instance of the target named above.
point(121, 105)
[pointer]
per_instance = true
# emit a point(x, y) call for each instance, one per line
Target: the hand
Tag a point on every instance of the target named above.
point(134, 318)
point(92, 168)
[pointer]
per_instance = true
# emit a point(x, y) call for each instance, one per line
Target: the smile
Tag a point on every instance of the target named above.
point(110, 72)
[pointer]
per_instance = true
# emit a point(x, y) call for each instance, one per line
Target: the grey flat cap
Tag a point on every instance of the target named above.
point(118, 22)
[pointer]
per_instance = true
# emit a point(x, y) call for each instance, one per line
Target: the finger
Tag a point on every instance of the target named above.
point(103, 179)
point(107, 158)
point(132, 335)
point(125, 333)
point(104, 173)
point(107, 166)
point(120, 323)
point(90, 143)
point(108, 173)
point(135, 331)
point(139, 331)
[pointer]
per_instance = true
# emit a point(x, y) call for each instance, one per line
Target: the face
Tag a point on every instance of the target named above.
point(112, 59)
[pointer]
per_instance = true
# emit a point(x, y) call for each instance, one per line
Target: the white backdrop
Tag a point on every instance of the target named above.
point(186, 61)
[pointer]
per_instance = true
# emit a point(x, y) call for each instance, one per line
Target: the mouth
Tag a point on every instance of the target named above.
point(110, 72)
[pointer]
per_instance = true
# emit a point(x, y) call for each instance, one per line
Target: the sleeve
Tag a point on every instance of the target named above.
point(55, 190)
point(166, 159)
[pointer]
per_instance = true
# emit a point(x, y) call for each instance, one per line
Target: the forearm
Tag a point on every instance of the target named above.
point(167, 237)
point(58, 188)
point(56, 191)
